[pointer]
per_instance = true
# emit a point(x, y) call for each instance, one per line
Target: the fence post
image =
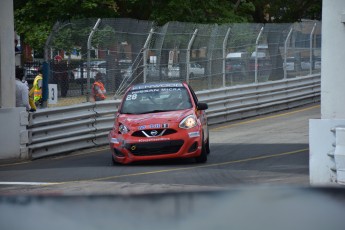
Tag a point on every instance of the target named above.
point(285, 51)
point(46, 69)
point(88, 59)
point(224, 54)
point(188, 54)
point(311, 49)
point(256, 54)
point(145, 49)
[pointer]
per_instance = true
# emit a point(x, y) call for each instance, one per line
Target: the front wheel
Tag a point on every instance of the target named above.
point(114, 162)
point(203, 156)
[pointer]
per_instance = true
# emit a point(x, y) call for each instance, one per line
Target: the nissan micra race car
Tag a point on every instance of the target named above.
point(159, 121)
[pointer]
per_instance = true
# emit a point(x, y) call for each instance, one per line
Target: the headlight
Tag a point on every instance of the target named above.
point(123, 129)
point(188, 122)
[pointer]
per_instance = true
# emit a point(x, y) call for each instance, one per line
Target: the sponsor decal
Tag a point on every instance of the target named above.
point(145, 91)
point(154, 139)
point(114, 140)
point(171, 89)
point(155, 126)
point(142, 127)
point(194, 134)
point(157, 85)
point(133, 95)
point(165, 126)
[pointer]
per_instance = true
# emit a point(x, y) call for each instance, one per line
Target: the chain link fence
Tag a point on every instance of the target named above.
point(207, 56)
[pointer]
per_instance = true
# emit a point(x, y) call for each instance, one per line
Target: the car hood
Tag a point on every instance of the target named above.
point(154, 118)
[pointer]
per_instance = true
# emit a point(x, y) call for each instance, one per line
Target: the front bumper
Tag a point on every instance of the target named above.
point(184, 144)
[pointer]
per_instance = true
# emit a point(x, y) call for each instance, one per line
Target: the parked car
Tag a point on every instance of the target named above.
point(31, 71)
point(236, 65)
point(305, 63)
point(263, 65)
point(159, 121)
point(290, 64)
point(80, 74)
point(156, 72)
point(317, 63)
point(195, 70)
point(174, 71)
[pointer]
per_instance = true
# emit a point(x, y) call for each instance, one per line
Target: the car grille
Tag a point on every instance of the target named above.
point(155, 148)
point(153, 132)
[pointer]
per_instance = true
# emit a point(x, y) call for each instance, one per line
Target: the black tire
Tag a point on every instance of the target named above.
point(113, 161)
point(207, 146)
point(203, 156)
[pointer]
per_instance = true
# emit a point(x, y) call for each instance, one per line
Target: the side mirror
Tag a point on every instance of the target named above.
point(202, 106)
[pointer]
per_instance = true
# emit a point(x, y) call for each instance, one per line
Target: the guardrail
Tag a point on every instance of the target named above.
point(338, 155)
point(64, 129)
point(239, 102)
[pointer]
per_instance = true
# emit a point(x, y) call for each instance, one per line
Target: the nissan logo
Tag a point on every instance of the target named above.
point(154, 132)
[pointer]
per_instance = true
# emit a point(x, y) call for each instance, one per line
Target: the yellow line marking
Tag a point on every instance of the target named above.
point(265, 118)
point(94, 150)
point(183, 169)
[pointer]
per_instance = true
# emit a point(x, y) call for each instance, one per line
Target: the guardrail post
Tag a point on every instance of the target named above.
point(256, 54)
point(145, 53)
point(45, 80)
point(339, 154)
point(225, 53)
point(285, 51)
point(311, 49)
point(188, 54)
point(88, 59)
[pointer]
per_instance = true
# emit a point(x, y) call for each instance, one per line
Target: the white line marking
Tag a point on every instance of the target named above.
point(26, 183)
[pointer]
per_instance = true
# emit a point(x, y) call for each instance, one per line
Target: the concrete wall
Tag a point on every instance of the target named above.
point(14, 134)
point(7, 55)
point(333, 60)
point(324, 163)
point(13, 120)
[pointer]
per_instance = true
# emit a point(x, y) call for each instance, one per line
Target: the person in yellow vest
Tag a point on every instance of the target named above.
point(35, 94)
point(98, 91)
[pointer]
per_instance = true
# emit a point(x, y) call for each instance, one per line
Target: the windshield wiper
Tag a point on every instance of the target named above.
point(155, 111)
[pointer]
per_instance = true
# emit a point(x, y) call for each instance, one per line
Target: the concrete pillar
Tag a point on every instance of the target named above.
point(333, 60)
point(324, 168)
point(13, 121)
point(7, 55)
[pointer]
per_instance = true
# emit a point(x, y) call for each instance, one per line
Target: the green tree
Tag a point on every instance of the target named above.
point(283, 11)
point(34, 19)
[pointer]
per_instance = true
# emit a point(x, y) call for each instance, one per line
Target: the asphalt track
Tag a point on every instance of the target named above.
point(266, 150)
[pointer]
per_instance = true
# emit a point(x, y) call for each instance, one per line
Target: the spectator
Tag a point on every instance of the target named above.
point(22, 90)
point(98, 91)
point(60, 69)
point(35, 94)
point(16, 48)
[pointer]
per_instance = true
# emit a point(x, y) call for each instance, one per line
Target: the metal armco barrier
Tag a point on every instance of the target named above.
point(339, 154)
point(233, 103)
point(64, 129)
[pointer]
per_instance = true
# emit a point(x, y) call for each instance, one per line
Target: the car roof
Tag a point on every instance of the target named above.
point(157, 85)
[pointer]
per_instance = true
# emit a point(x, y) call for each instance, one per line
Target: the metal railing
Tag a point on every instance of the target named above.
point(129, 51)
point(70, 128)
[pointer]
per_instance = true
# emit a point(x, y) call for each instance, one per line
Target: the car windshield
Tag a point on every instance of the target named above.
point(155, 100)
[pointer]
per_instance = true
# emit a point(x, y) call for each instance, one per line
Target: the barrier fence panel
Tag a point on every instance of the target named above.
point(69, 128)
point(208, 56)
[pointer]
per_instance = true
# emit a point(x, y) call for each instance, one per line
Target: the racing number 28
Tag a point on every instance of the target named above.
point(131, 97)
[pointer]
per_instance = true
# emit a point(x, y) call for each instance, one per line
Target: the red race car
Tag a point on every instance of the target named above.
point(159, 121)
